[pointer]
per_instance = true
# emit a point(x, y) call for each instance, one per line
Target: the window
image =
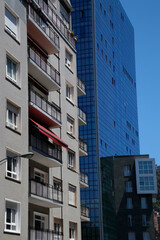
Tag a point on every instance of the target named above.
point(146, 236)
point(69, 92)
point(127, 170)
point(57, 227)
point(72, 195)
point(11, 69)
point(145, 167)
point(57, 189)
point(12, 116)
point(11, 23)
point(145, 220)
point(40, 176)
point(144, 203)
point(40, 221)
point(12, 216)
point(72, 231)
point(129, 203)
point(68, 60)
point(71, 160)
point(131, 236)
point(70, 125)
point(130, 221)
point(13, 166)
point(128, 186)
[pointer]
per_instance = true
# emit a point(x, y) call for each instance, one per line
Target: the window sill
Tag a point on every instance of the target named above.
point(71, 135)
point(11, 36)
point(12, 82)
point(73, 170)
point(11, 232)
point(70, 101)
point(12, 179)
point(72, 205)
point(15, 131)
point(69, 68)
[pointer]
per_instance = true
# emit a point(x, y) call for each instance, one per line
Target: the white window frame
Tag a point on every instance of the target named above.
point(10, 27)
point(69, 92)
point(43, 175)
point(72, 231)
point(71, 160)
point(68, 60)
point(45, 216)
point(15, 113)
point(14, 61)
point(15, 208)
point(16, 175)
point(72, 195)
point(70, 125)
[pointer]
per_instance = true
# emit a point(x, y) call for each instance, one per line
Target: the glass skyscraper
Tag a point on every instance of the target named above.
point(106, 63)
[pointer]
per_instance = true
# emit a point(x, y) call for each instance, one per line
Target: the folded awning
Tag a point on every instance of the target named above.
point(50, 134)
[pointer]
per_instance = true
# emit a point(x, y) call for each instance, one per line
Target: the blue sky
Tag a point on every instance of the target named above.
point(145, 18)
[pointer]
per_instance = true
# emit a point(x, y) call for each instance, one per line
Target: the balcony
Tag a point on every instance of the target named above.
point(83, 180)
point(35, 234)
point(82, 148)
point(41, 109)
point(45, 152)
point(81, 117)
point(43, 71)
point(56, 21)
point(44, 195)
point(85, 214)
point(81, 87)
point(42, 33)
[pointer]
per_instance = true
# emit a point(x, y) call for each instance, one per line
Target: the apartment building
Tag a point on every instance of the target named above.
point(129, 186)
point(40, 197)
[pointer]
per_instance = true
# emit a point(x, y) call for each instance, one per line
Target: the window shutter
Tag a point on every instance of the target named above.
point(11, 21)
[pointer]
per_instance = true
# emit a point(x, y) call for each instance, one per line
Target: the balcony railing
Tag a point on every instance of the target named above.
point(82, 145)
point(44, 65)
point(84, 178)
point(56, 20)
point(52, 150)
point(46, 106)
point(82, 114)
point(84, 211)
point(81, 84)
point(44, 235)
point(45, 190)
point(51, 34)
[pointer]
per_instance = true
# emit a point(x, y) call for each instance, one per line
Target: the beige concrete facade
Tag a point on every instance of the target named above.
point(40, 197)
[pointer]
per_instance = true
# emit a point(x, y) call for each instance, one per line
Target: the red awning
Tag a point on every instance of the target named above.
point(50, 134)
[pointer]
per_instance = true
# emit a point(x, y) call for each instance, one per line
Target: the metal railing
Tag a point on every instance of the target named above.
point(44, 65)
point(56, 20)
point(51, 34)
point(82, 145)
point(43, 104)
point(84, 211)
point(36, 234)
point(51, 149)
point(81, 84)
point(81, 114)
point(45, 190)
point(84, 178)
